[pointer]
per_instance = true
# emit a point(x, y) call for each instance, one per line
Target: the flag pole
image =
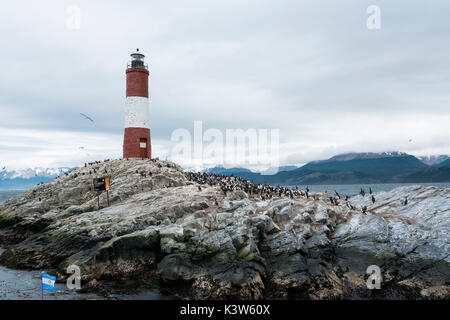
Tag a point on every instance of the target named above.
point(42, 289)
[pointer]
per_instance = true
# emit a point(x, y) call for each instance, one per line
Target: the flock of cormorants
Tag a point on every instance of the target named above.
point(264, 191)
point(233, 183)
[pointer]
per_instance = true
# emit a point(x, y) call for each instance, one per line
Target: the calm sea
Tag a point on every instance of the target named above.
point(353, 189)
point(8, 194)
point(343, 189)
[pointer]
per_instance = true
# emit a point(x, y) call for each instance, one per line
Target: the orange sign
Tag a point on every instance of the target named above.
point(107, 184)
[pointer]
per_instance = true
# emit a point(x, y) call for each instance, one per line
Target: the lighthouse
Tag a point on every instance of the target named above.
point(136, 141)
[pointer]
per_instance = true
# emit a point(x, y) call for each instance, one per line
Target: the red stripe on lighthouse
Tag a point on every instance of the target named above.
point(137, 143)
point(137, 82)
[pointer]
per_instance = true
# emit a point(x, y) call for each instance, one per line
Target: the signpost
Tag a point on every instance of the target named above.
point(102, 184)
point(107, 188)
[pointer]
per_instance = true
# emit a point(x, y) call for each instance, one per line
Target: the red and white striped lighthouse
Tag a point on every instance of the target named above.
point(136, 142)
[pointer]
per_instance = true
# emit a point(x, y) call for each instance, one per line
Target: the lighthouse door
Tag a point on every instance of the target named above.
point(143, 148)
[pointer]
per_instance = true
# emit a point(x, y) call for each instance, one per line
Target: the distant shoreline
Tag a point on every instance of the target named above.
point(343, 189)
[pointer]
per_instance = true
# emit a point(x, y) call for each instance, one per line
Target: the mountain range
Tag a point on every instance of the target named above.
point(354, 168)
point(435, 160)
point(28, 178)
point(349, 168)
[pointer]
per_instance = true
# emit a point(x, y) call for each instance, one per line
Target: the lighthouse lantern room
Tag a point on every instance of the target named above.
point(137, 143)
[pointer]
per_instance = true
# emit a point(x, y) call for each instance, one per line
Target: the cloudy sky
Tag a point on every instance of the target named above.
point(311, 69)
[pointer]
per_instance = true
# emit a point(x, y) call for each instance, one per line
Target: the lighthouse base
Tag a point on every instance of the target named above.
point(136, 143)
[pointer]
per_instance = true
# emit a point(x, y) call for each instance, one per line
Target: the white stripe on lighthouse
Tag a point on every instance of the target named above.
point(137, 113)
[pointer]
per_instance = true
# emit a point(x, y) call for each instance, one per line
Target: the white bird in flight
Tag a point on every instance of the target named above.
point(90, 119)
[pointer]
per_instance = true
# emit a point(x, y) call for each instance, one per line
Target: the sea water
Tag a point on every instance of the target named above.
point(26, 285)
point(343, 189)
point(354, 189)
point(8, 194)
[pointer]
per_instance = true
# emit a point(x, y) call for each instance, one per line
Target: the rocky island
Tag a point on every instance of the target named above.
point(195, 239)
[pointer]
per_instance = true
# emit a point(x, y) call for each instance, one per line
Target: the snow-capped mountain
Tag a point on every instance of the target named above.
point(433, 159)
point(353, 168)
point(28, 178)
point(34, 172)
point(193, 169)
point(364, 155)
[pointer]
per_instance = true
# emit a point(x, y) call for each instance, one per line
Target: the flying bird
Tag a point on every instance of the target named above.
point(90, 119)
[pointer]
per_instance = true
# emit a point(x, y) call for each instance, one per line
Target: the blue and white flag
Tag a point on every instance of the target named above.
point(48, 282)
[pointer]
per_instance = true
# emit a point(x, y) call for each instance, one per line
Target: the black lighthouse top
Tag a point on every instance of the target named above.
point(137, 61)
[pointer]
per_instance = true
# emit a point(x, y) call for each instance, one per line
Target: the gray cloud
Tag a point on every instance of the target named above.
point(310, 68)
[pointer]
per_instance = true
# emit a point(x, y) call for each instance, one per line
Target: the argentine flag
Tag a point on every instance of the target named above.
point(48, 282)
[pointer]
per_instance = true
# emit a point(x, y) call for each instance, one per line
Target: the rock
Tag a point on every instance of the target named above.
point(93, 233)
point(318, 240)
point(278, 204)
point(436, 292)
point(306, 231)
point(174, 232)
point(176, 267)
point(281, 243)
point(239, 203)
point(283, 215)
point(238, 195)
point(217, 246)
point(169, 245)
point(321, 216)
point(223, 220)
point(306, 217)
point(364, 227)
point(324, 230)
point(192, 227)
point(265, 224)
point(245, 211)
